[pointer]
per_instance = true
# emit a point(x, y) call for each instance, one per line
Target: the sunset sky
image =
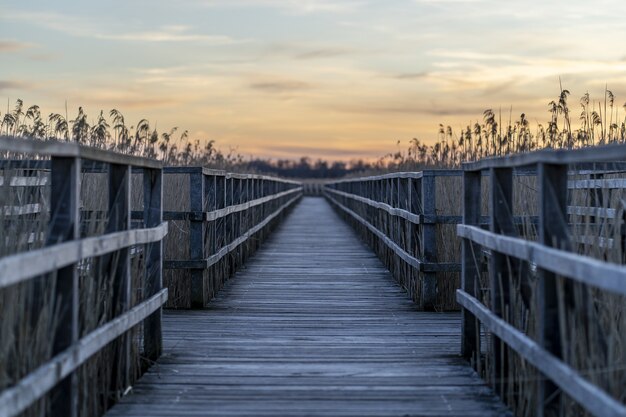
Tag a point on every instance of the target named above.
point(321, 78)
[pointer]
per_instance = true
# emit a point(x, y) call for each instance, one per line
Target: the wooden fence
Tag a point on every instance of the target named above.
point(398, 216)
point(522, 303)
point(60, 259)
point(224, 217)
point(217, 218)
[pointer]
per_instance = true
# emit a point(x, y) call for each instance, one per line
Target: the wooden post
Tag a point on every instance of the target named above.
point(152, 217)
point(553, 232)
point(415, 189)
point(209, 242)
point(501, 222)
point(429, 242)
point(470, 274)
point(65, 226)
point(196, 238)
point(118, 265)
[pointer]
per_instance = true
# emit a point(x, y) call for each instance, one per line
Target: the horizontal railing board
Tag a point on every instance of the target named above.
point(604, 183)
point(606, 153)
point(411, 260)
point(216, 214)
point(22, 210)
point(404, 255)
point(23, 266)
point(586, 270)
point(407, 215)
point(589, 396)
point(68, 149)
point(26, 181)
point(414, 175)
point(32, 387)
point(607, 213)
point(220, 173)
point(213, 259)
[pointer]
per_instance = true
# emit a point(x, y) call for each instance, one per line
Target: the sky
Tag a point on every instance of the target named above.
point(334, 79)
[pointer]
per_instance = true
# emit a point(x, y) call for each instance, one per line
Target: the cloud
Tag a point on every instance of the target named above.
point(169, 34)
point(280, 86)
point(13, 85)
point(411, 75)
point(324, 53)
point(411, 109)
point(85, 27)
point(292, 6)
point(12, 46)
point(312, 150)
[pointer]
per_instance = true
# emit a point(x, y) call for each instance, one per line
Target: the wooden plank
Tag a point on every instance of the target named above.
point(313, 324)
point(72, 150)
point(26, 181)
point(606, 153)
point(589, 271)
point(23, 266)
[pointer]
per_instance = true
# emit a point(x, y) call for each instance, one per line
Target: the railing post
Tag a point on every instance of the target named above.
point(553, 232)
point(65, 226)
point(501, 222)
point(415, 189)
point(196, 238)
point(429, 242)
point(153, 217)
point(118, 266)
point(210, 187)
point(470, 274)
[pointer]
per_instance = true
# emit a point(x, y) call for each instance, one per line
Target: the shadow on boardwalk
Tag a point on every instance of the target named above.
point(314, 325)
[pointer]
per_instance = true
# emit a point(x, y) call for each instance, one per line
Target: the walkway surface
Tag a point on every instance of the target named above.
point(313, 326)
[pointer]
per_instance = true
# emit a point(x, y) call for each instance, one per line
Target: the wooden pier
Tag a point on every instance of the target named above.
point(313, 325)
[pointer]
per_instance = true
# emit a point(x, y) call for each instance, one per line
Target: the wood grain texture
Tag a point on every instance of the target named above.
point(313, 325)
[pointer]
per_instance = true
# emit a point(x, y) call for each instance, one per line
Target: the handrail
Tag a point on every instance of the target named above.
point(73, 150)
point(553, 258)
point(60, 262)
point(23, 266)
point(396, 214)
point(225, 210)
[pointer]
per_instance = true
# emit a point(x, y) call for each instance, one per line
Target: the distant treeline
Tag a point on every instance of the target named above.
point(307, 168)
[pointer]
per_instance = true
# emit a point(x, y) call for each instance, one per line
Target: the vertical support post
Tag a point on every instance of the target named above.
point(209, 239)
point(501, 222)
point(196, 237)
point(65, 226)
point(429, 241)
point(118, 266)
point(553, 232)
point(152, 217)
point(470, 328)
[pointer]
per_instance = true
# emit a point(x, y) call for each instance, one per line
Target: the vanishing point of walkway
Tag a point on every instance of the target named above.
point(314, 325)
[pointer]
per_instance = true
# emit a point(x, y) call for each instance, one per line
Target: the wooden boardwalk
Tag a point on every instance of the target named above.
point(314, 325)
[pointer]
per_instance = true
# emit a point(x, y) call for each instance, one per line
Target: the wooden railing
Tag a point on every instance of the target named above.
point(397, 214)
point(218, 219)
point(225, 216)
point(59, 262)
point(536, 283)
